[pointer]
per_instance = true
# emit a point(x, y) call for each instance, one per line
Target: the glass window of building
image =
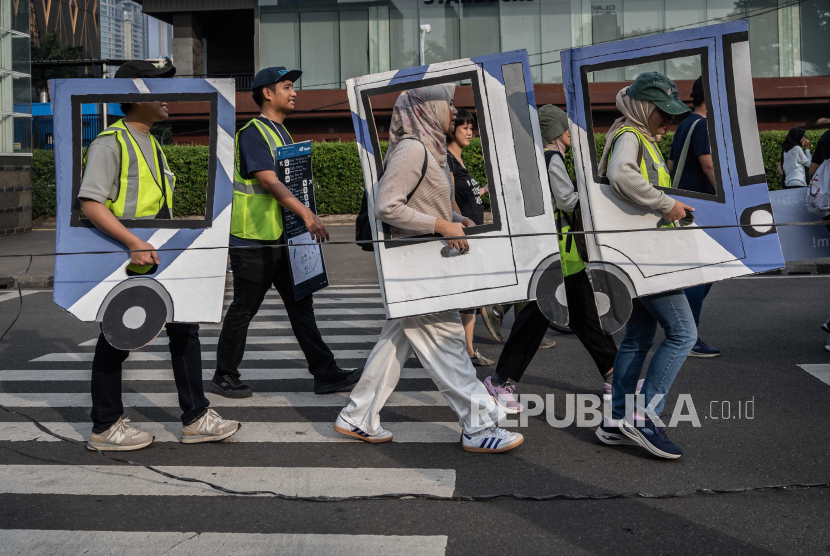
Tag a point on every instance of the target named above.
point(334, 40)
point(15, 80)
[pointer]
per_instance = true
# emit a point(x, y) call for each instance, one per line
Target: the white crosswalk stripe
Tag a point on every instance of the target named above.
point(264, 340)
point(167, 374)
point(107, 543)
point(820, 371)
point(112, 480)
point(350, 318)
point(259, 399)
point(408, 432)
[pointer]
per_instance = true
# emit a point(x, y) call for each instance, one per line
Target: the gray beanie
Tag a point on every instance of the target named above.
point(553, 123)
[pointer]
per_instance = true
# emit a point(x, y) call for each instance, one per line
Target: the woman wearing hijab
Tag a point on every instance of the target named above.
point(415, 206)
point(634, 166)
point(795, 158)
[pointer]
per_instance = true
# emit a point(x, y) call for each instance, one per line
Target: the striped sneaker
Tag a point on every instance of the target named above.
point(492, 440)
point(343, 427)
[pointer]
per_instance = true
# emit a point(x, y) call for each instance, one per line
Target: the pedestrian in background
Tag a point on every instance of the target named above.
point(795, 158)
point(468, 200)
point(692, 169)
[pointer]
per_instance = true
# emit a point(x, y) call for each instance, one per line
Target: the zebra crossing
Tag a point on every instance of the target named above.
point(283, 414)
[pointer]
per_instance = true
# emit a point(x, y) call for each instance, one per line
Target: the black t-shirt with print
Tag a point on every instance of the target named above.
point(467, 194)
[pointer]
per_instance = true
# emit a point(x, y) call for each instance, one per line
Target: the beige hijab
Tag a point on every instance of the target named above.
point(421, 114)
point(635, 113)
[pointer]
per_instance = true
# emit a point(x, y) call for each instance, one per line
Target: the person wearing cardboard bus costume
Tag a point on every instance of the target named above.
point(635, 168)
point(127, 177)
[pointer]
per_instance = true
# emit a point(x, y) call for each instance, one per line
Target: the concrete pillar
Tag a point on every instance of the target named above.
point(15, 197)
point(188, 56)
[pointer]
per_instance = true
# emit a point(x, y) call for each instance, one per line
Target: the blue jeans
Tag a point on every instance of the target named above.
point(671, 311)
point(696, 295)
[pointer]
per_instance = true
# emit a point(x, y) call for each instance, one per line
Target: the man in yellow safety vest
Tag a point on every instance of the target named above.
point(127, 177)
point(256, 226)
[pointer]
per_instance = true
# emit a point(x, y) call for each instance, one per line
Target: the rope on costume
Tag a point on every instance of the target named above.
point(428, 239)
point(431, 497)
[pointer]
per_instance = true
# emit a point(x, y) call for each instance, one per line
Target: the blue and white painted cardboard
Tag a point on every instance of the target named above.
point(652, 262)
point(415, 278)
point(190, 284)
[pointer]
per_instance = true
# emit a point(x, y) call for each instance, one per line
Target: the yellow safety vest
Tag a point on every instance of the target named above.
point(256, 214)
point(652, 167)
point(140, 195)
point(568, 253)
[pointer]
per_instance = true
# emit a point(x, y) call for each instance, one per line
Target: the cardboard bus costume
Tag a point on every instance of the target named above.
point(415, 277)
point(623, 266)
point(188, 286)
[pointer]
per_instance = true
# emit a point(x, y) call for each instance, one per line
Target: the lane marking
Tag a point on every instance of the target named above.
point(326, 312)
point(162, 340)
point(114, 480)
point(327, 301)
point(251, 432)
point(259, 399)
point(167, 374)
point(106, 543)
point(282, 355)
point(15, 295)
point(820, 371)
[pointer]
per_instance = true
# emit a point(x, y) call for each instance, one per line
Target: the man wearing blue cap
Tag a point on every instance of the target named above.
point(256, 223)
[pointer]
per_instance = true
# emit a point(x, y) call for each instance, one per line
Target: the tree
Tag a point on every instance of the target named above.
point(51, 48)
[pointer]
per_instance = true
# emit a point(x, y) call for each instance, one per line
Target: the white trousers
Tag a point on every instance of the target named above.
point(438, 341)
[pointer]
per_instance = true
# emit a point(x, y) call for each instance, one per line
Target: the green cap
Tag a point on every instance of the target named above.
point(659, 89)
point(553, 122)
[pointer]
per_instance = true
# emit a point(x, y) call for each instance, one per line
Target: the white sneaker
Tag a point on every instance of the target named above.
point(343, 427)
point(827, 344)
point(210, 428)
point(491, 440)
point(120, 437)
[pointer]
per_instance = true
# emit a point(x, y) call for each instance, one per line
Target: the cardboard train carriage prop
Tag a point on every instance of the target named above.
point(188, 286)
point(623, 266)
point(415, 277)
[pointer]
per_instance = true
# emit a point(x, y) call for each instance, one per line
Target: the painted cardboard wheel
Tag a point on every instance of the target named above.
point(133, 318)
point(550, 294)
point(612, 299)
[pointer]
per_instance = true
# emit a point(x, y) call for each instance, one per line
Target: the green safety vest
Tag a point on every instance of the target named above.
point(568, 253)
point(256, 214)
point(652, 167)
point(140, 195)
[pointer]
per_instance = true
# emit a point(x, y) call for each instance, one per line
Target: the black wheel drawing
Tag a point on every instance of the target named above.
point(134, 317)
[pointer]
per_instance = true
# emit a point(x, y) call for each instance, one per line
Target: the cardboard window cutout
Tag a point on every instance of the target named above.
point(624, 266)
point(415, 278)
point(188, 286)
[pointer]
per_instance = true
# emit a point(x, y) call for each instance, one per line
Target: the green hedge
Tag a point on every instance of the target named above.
point(337, 173)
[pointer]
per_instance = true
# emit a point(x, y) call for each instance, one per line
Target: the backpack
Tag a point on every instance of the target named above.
point(363, 229)
point(818, 200)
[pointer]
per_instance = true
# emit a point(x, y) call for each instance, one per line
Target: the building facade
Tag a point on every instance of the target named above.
point(334, 40)
point(15, 83)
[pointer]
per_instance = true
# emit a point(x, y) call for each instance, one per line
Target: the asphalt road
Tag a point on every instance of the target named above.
point(766, 328)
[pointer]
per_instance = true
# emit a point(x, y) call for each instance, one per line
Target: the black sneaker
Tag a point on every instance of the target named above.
point(341, 381)
point(702, 349)
point(651, 437)
point(230, 387)
point(826, 326)
point(611, 435)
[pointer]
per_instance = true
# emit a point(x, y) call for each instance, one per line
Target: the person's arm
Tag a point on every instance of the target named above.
point(708, 168)
point(269, 182)
point(564, 196)
point(670, 165)
point(812, 171)
point(401, 177)
point(628, 183)
point(103, 219)
point(804, 157)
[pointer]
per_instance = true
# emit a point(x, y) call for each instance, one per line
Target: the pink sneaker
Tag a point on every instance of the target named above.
point(504, 396)
point(606, 389)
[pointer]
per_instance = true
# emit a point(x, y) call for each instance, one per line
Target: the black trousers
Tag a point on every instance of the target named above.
point(254, 271)
point(186, 353)
point(531, 325)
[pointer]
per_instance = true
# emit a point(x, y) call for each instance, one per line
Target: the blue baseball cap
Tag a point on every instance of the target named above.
point(274, 75)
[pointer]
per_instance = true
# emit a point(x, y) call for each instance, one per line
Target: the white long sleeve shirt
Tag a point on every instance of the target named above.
point(796, 162)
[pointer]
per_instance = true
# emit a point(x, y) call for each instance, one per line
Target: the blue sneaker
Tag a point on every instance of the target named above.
point(702, 349)
point(651, 437)
point(609, 433)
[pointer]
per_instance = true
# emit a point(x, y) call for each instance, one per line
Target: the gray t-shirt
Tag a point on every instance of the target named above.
point(103, 165)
